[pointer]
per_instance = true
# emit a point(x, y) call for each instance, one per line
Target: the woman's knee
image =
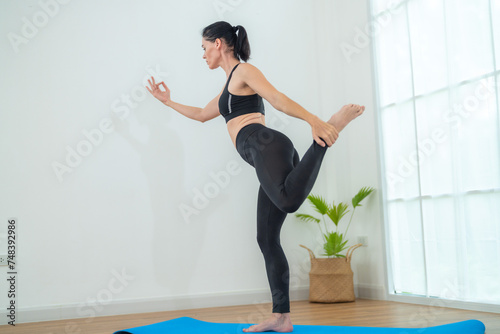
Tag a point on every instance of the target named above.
point(289, 205)
point(287, 201)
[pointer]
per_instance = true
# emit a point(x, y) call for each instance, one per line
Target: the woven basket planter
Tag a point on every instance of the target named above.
point(331, 279)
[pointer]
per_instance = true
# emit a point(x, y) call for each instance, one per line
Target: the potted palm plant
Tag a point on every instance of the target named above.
point(331, 278)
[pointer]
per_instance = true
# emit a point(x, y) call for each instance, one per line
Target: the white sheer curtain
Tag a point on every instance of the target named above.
point(437, 64)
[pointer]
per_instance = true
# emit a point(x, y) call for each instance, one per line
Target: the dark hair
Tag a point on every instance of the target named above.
point(238, 42)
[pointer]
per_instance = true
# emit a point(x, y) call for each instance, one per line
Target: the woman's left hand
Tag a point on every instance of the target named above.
point(323, 130)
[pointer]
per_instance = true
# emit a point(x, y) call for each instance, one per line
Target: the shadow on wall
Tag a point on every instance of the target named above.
point(162, 161)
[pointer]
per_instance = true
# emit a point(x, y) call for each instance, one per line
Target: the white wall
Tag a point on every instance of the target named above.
point(118, 209)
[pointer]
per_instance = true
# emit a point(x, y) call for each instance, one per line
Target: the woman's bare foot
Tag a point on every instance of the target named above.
point(278, 322)
point(345, 115)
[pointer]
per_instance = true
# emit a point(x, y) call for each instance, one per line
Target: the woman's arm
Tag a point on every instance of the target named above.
point(210, 111)
point(256, 80)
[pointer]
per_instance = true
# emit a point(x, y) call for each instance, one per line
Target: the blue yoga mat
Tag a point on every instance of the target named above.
point(187, 325)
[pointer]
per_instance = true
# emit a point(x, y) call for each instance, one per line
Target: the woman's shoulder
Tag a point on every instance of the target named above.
point(248, 69)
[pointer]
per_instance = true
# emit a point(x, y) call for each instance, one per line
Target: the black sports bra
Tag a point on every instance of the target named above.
point(231, 106)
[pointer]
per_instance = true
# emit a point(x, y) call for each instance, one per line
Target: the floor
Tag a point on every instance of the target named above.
point(363, 312)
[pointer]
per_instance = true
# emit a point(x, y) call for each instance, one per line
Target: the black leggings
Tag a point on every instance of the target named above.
point(285, 182)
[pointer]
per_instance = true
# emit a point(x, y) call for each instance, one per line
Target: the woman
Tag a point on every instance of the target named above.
point(285, 180)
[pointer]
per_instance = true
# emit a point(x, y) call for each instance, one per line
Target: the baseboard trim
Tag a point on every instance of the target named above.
point(369, 291)
point(147, 305)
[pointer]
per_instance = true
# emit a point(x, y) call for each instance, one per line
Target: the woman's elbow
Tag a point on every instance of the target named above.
point(204, 116)
point(201, 117)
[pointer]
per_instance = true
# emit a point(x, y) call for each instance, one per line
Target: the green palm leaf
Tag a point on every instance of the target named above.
point(337, 212)
point(361, 195)
point(319, 204)
point(307, 218)
point(334, 244)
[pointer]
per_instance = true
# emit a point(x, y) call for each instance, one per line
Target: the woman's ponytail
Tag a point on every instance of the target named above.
point(242, 46)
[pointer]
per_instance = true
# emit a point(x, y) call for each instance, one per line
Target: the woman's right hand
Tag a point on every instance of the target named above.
point(163, 96)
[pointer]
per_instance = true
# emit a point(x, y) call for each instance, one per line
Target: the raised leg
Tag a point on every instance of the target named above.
point(286, 180)
point(272, 154)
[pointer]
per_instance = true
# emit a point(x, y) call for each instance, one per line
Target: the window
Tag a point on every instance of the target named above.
point(437, 69)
